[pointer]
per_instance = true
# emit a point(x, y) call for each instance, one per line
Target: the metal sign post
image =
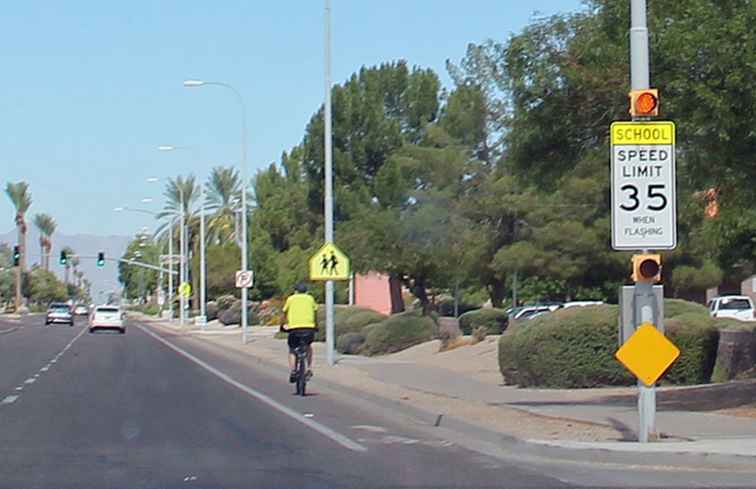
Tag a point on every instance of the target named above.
point(644, 217)
point(328, 171)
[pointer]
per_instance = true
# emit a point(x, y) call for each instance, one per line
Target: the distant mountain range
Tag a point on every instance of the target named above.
point(85, 245)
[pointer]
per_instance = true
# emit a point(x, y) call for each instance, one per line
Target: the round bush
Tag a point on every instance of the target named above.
point(677, 307)
point(347, 319)
point(398, 332)
point(575, 348)
point(697, 337)
point(565, 349)
point(350, 343)
point(494, 320)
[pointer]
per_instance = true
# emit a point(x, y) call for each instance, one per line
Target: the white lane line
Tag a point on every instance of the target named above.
point(9, 400)
point(309, 422)
point(30, 380)
point(20, 388)
point(45, 368)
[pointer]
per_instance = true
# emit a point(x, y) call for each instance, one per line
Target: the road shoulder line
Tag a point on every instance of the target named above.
point(310, 423)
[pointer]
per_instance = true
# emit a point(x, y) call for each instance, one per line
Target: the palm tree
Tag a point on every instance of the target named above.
point(21, 198)
point(75, 262)
point(223, 190)
point(176, 189)
point(69, 253)
point(46, 225)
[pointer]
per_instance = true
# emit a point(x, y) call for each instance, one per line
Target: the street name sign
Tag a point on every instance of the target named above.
point(647, 354)
point(244, 279)
point(329, 263)
point(644, 205)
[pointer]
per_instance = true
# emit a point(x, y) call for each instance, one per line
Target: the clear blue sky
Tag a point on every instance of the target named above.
point(89, 89)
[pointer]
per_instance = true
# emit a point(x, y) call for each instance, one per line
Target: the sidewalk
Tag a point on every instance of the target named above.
point(576, 419)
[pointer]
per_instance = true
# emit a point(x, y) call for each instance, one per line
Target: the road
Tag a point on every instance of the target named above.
point(84, 410)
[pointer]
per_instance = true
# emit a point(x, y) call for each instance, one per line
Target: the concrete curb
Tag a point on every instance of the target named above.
point(496, 443)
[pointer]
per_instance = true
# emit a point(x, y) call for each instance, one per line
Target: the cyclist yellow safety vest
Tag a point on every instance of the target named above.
point(300, 311)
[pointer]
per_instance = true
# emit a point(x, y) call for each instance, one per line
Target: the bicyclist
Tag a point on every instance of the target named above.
point(300, 309)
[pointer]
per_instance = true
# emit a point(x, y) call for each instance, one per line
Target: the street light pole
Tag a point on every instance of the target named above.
point(202, 261)
point(328, 182)
point(182, 265)
point(244, 252)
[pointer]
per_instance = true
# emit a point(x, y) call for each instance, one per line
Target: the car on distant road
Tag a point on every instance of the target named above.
point(732, 306)
point(59, 312)
point(81, 310)
point(568, 305)
point(533, 311)
point(107, 317)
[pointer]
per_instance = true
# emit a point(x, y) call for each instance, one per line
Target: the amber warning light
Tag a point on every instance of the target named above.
point(644, 102)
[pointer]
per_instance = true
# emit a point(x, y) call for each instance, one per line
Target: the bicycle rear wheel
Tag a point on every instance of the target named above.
point(301, 376)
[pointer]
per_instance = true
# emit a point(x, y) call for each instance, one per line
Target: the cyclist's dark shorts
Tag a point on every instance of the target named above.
point(303, 336)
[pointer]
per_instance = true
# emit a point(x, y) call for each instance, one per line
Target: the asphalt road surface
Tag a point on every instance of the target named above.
point(153, 410)
point(80, 410)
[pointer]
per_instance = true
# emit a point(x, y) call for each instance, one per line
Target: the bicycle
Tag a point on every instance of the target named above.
point(300, 352)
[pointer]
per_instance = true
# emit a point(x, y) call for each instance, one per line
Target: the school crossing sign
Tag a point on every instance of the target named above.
point(644, 211)
point(329, 263)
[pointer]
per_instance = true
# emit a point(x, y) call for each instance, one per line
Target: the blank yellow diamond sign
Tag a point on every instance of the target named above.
point(329, 263)
point(647, 354)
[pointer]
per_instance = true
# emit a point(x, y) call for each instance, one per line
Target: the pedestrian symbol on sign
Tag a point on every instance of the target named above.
point(329, 263)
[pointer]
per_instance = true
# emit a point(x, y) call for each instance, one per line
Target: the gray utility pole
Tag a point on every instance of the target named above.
point(202, 260)
point(182, 261)
point(328, 182)
point(639, 79)
point(170, 268)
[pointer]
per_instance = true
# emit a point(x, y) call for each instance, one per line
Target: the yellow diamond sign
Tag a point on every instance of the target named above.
point(647, 354)
point(185, 290)
point(329, 263)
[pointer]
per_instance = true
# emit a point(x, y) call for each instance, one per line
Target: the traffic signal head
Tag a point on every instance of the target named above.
point(16, 255)
point(644, 103)
point(647, 268)
point(101, 259)
point(63, 258)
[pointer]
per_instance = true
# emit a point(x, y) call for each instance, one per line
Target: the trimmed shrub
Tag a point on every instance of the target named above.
point(350, 343)
point(399, 332)
point(575, 348)
point(347, 319)
point(566, 349)
point(494, 320)
point(697, 338)
point(678, 307)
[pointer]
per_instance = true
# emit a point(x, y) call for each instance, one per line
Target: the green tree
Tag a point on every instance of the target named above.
point(44, 287)
point(140, 282)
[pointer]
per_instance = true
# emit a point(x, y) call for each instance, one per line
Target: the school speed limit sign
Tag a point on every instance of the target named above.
point(644, 210)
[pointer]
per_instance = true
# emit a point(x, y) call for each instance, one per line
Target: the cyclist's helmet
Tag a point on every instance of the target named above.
point(300, 288)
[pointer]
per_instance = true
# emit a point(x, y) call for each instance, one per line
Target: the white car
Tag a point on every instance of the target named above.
point(567, 305)
point(732, 306)
point(107, 317)
point(533, 311)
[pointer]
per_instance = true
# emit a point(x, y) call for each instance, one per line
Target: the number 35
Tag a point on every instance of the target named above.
point(652, 194)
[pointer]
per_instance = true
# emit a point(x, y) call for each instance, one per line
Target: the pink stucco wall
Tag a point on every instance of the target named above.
point(372, 291)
